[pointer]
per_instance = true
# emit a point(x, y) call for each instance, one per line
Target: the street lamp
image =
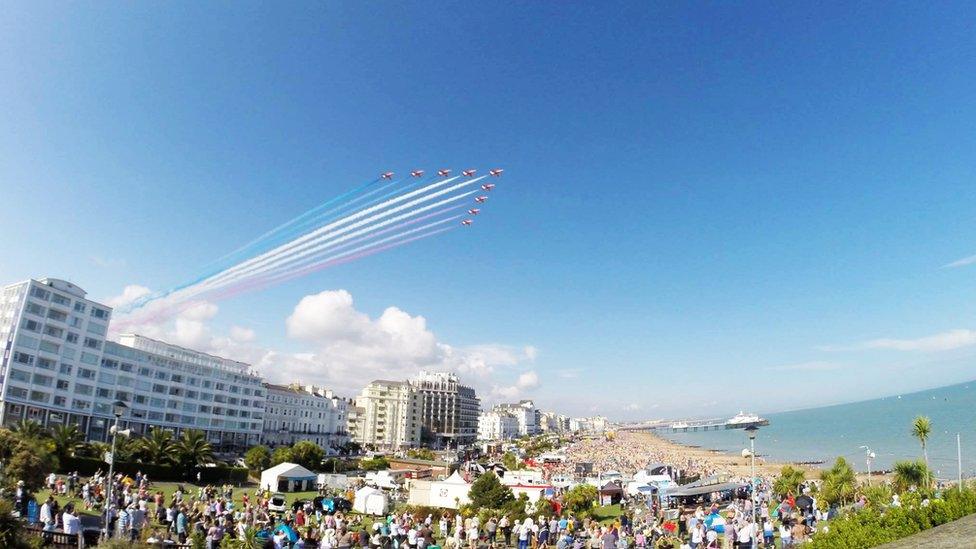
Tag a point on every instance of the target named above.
point(869, 455)
point(118, 408)
point(751, 432)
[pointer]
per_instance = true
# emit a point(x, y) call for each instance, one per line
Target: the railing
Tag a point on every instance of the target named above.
point(88, 538)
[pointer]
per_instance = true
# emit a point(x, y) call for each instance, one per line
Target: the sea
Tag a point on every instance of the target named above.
point(884, 425)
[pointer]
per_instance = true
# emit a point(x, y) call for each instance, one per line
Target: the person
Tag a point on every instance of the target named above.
point(137, 520)
point(491, 527)
point(47, 514)
point(785, 534)
point(182, 521)
point(70, 523)
point(506, 527)
point(768, 537)
point(697, 535)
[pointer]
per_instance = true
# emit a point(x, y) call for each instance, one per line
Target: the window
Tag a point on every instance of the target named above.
point(103, 408)
point(43, 380)
point(66, 368)
point(60, 299)
point(53, 331)
point(175, 391)
point(63, 384)
point(25, 340)
point(57, 315)
point(75, 322)
point(161, 375)
point(23, 358)
point(143, 385)
point(45, 363)
point(30, 325)
point(172, 404)
point(99, 313)
point(35, 309)
point(79, 307)
point(192, 394)
point(141, 399)
point(157, 402)
point(40, 293)
point(193, 381)
point(72, 338)
point(220, 387)
point(106, 378)
point(40, 396)
point(207, 384)
point(137, 413)
point(172, 418)
point(103, 393)
point(17, 392)
point(108, 362)
point(155, 416)
point(94, 328)
point(86, 373)
point(123, 396)
point(49, 347)
point(68, 352)
point(89, 358)
point(91, 343)
point(220, 398)
point(60, 401)
point(159, 388)
point(125, 381)
point(126, 367)
point(80, 404)
point(83, 389)
point(19, 375)
point(177, 378)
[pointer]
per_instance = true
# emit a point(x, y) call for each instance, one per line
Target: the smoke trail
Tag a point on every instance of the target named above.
point(311, 239)
point(327, 241)
point(359, 253)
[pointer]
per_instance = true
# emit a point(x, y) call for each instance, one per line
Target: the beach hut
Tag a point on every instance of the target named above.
point(288, 477)
point(370, 501)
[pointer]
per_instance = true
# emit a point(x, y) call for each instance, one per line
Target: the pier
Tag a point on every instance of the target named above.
point(694, 425)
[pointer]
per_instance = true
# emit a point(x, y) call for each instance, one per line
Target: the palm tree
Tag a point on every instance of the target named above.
point(157, 447)
point(839, 482)
point(67, 439)
point(921, 429)
point(789, 481)
point(28, 429)
point(193, 449)
point(912, 473)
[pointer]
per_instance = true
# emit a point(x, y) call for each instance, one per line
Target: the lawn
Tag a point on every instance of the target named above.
point(607, 513)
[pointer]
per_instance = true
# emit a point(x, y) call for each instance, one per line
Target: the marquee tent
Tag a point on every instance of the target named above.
point(288, 477)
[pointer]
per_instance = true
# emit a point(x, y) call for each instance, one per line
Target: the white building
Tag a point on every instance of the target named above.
point(57, 368)
point(525, 413)
point(596, 424)
point(387, 415)
point(496, 425)
point(448, 409)
point(304, 412)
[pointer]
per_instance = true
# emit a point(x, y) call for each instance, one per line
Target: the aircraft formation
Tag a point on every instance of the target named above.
point(470, 172)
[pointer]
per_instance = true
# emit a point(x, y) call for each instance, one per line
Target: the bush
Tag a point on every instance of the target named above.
point(208, 475)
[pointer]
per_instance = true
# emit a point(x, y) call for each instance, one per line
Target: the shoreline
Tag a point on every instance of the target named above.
point(719, 460)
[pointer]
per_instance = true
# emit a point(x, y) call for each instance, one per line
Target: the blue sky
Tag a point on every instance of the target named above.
point(705, 207)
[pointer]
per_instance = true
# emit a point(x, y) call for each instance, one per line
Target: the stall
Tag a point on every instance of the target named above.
point(288, 477)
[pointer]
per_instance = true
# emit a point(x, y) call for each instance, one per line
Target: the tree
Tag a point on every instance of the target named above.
point(27, 429)
point(308, 454)
point(157, 447)
point(12, 535)
point(257, 458)
point(788, 481)
point(511, 461)
point(375, 464)
point(921, 429)
point(489, 492)
point(31, 461)
point(422, 453)
point(581, 498)
point(193, 449)
point(68, 440)
point(912, 473)
point(839, 482)
point(281, 454)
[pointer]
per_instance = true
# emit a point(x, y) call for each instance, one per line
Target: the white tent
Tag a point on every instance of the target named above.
point(450, 492)
point(288, 477)
point(370, 501)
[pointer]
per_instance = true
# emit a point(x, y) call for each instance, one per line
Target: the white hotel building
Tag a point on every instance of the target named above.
point(304, 412)
point(57, 368)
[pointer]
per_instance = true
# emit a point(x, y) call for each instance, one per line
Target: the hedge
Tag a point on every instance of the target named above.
point(871, 527)
point(208, 475)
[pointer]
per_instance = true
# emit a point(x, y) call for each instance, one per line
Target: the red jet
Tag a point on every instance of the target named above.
point(488, 186)
point(469, 173)
point(417, 173)
point(444, 173)
point(387, 175)
point(481, 199)
point(496, 172)
point(467, 222)
point(474, 211)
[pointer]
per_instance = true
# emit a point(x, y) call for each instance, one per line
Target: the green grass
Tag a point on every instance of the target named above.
point(606, 514)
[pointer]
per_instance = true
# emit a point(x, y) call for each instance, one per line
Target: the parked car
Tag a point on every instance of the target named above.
point(277, 503)
point(333, 505)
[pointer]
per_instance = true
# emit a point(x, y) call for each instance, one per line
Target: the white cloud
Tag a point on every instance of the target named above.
point(960, 262)
point(128, 296)
point(632, 407)
point(344, 348)
point(812, 366)
point(945, 341)
point(569, 373)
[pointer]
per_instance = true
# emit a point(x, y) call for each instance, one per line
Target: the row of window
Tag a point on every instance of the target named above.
point(58, 299)
point(162, 375)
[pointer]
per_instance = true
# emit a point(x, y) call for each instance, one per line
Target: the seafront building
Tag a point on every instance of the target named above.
point(525, 413)
point(497, 425)
point(304, 412)
point(448, 410)
point(387, 416)
point(593, 425)
point(57, 368)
